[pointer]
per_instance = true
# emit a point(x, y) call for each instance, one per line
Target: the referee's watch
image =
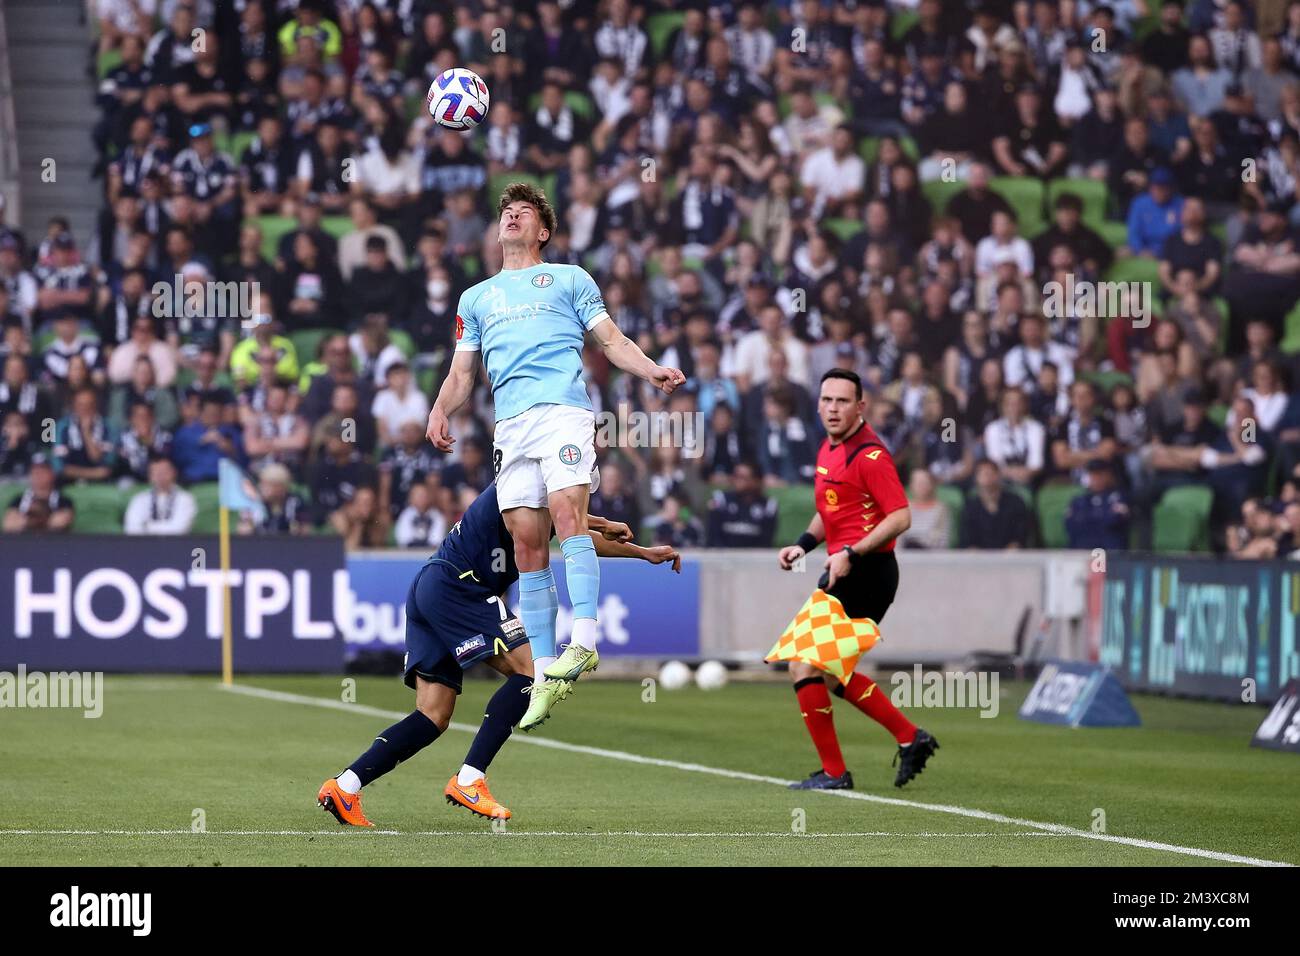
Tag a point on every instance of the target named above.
point(853, 555)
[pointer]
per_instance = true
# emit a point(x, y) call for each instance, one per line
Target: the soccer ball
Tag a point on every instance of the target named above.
point(711, 675)
point(674, 675)
point(457, 99)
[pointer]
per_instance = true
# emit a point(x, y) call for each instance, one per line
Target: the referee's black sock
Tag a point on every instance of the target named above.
point(506, 708)
point(402, 741)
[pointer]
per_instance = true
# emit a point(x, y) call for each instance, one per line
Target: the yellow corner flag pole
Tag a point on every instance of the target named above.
point(227, 639)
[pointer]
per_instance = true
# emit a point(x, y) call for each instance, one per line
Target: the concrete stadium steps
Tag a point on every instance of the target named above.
point(49, 47)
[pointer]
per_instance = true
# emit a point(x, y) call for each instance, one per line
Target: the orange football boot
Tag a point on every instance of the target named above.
point(346, 807)
point(476, 798)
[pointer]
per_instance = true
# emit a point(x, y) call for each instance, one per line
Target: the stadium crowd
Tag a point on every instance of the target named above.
point(763, 191)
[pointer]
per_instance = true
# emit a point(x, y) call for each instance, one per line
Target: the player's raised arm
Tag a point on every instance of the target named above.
point(627, 355)
point(612, 530)
point(454, 393)
point(607, 548)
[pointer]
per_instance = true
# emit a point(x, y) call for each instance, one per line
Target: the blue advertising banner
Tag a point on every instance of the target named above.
point(645, 610)
point(121, 603)
point(1201, 627)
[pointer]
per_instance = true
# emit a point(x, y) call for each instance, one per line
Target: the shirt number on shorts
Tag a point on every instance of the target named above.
point(496, 461)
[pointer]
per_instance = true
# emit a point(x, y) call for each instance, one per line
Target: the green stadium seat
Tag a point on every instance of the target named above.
point(1025, 195)
point(843, 229)
point(239, 143)
point(1182, 519)
point(402, 339)
point(1143, 26)
point(1106, 381)
point(1221, 304)
point(307, 341)
point(107, 61)
point(273, 229)
point(1290, 343)
point(413, 105)
point(795, 509)
point(955, 499)
point(1217, 414)
point(903, 21)
point(100, 508)
point(659, 27)
point(939, 193)
point(9, 490)
point(1134, 269)
point(427, 381)
point(207, 520)
point(579, 102)
point(1053, 501)
point(869, 146)
point(827, 98)
point(1115, 233)
point(1091, 191)
point(336, 226)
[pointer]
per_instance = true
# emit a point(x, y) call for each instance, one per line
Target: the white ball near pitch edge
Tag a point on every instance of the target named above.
point(674, 675)
point(711, 675)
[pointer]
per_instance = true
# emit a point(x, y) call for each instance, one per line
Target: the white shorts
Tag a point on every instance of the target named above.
point(542, 451)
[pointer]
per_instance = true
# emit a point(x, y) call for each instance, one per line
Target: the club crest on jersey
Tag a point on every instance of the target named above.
point(543, 279)
point(832, 499)
point(570, 454)
point(460, 328)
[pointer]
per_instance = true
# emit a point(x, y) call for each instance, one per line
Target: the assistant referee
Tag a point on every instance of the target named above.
point(861, 511)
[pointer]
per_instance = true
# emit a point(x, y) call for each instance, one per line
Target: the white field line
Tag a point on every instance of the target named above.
point(1057, 829)
point(639, 834)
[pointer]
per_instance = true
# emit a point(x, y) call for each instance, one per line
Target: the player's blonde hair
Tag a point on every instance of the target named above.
point(535, 197)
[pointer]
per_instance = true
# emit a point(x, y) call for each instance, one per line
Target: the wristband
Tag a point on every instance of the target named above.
point(806, 543)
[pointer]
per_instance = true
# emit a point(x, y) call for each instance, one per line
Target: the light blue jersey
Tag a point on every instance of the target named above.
point(529, 324)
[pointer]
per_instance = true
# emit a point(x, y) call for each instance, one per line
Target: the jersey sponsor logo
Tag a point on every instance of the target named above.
point(512, 627)
point(570, 455)
point(460, 328)
point(543, 279)
point(465, 648)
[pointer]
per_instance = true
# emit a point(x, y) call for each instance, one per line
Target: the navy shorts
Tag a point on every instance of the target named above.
point(451, 626)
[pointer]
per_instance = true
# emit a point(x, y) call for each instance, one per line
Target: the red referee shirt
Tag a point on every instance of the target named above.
point(857, 485)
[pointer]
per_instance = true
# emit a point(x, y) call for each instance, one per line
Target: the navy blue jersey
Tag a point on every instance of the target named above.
point(479, 542)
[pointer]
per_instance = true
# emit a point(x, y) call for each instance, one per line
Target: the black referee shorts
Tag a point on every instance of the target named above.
point(869, 589)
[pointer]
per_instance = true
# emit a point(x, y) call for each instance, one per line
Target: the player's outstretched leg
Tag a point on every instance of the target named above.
point(538, 606)
point(341, 795)
point(469, 788)
point(815, 708)
point(915, 746)
point(582, 573)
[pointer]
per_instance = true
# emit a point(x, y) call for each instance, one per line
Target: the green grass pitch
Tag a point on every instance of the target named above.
point(124, 789)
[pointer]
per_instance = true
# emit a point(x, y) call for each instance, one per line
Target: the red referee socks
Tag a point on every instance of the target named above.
point(815, 707)
point(865, 694)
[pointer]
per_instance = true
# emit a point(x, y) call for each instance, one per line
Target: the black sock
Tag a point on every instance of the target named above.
point(403, 740)
point(838, 689)
point(504, 710)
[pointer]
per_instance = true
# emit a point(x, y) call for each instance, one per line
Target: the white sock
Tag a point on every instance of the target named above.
point(349, 782)
point(584, 632)
point(540, 664)
point(468, 775)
